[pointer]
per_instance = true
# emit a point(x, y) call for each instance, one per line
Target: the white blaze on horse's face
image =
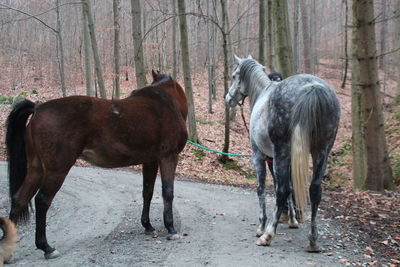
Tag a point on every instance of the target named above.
point(234, 94)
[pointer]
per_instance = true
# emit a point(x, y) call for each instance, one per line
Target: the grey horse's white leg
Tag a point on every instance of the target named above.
point(259, 165)
point(293, 223)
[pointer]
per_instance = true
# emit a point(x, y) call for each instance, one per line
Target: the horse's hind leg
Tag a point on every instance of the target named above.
point(259, 165)
point(293, 223)
point(319, 166)
point(149, 178)
point(167, 169)
point(282, 175)
point(52, 183)
point(19, 204)
point(289, 206)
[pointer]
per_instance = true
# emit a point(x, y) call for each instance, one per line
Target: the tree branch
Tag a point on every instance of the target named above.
point(30, 16)
point(39, 14)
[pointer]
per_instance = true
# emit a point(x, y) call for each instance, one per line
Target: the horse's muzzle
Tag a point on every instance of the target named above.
point(230, 101)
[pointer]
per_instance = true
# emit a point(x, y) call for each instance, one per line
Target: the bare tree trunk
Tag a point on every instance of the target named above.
point(214, 44)
point(383, 37)
point(377, 160)
point(186, 71)
point(271, 56)
point(346, 52)
point(225, 149)
point(138, 44)
point(117, 93)
point(398, 44)
point(60, 50)
point(313, 29)
point(210, 67)
point(296, 49)
point(174, 48)
point(97, 63)
point(86, 45)
point(282, 33)
point(261, 31)
point(306, 37)
point(247, 31)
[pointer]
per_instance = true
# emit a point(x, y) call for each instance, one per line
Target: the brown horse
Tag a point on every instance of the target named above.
point(148, 127)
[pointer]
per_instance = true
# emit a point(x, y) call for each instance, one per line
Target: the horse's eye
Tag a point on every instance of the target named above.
point(233, 76)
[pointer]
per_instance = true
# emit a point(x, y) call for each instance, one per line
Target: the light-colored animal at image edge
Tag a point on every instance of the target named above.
point(8, 241)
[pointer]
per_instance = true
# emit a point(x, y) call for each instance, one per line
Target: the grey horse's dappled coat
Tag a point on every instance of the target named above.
point(290, 120)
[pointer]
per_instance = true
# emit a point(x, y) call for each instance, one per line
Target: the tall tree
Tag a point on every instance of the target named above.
point(383, 37)
point(225, 149)
point(261, 32)
point(138, 44)
point(97, 63)
point(186, 71)
point(398, 42)
point(270, 33)
point(60, 50)
point(116, 93)
point(174, 46)
point(86, 47)
point(282, 35)
point(370, 114)
point(296, 36)
point(211, 58)
point(306, 37)
point(345, 41)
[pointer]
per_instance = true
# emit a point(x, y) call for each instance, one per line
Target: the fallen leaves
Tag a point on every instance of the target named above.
point(373, 218)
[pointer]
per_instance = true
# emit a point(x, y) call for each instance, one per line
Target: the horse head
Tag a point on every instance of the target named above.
point(237, 92)
point(159, 77)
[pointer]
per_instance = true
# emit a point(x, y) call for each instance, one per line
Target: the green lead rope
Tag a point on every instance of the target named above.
point(216, 151)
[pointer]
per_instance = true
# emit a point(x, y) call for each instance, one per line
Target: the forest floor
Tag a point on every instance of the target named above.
point(371, 218)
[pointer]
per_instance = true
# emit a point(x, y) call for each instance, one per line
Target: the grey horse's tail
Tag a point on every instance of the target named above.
point(307, 117)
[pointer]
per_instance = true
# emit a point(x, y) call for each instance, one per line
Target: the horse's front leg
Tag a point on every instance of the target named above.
point(282, 175)
point(167, 169)
point(259, 165)
point(149, 178)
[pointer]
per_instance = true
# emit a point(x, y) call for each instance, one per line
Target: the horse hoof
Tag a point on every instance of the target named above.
point(52, 255)
point(259, 233)
point(313, 249)
point(262, 242)
point(284, 218)
point(9, 260)
point(153, 234)
point(293, 225)
point(173, 237)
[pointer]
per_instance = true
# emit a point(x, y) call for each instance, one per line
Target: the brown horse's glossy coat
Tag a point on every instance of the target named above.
point(148, 127)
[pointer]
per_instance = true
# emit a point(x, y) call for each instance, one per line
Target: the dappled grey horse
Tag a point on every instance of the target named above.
point(289, 120)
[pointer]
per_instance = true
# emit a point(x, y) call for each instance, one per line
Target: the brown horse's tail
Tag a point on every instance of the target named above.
point(8, 240)
point(15, 142)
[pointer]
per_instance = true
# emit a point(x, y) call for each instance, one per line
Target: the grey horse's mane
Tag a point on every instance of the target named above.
point(254, 78)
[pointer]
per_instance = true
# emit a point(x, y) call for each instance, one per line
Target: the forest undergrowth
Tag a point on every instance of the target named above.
point(374, 218)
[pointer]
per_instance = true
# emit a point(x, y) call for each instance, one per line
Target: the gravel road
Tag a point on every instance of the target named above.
point(95, 221)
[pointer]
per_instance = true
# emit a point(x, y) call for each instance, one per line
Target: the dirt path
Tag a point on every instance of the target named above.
point(95, 221)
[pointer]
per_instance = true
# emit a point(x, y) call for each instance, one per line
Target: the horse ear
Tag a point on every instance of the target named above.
point(249, 57)
point(154, 74)
point(237, 59)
